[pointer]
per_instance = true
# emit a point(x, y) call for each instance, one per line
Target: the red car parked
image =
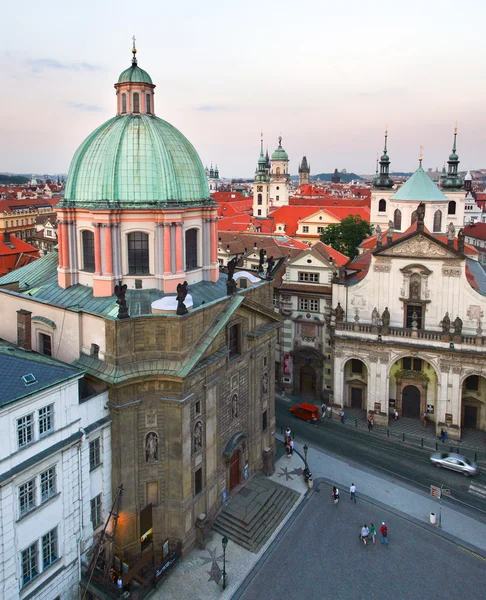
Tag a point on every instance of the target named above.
point(307, 412)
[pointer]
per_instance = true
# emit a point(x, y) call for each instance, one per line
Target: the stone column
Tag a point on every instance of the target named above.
point(159, 249)
point(213, 241)
point(179, 248)
point(167, 257)
point(108, 249)
point(338, 385)
point(97, 248)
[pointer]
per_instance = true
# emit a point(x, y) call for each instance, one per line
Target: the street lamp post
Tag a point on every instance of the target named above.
point(306, 448)
point(224, 541)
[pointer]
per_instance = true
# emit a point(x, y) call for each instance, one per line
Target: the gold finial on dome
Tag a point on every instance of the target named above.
point(421, 157)
point(134, 52)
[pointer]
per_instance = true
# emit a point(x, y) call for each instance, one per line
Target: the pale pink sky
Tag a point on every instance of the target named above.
point(327, 76)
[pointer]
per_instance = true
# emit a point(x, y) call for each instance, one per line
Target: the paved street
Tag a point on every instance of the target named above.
point(320, 556)
point(410, 464)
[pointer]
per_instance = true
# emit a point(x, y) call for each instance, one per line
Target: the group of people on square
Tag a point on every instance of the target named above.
point(289, 442)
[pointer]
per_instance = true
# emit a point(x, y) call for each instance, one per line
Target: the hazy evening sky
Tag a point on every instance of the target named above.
point(327, 76)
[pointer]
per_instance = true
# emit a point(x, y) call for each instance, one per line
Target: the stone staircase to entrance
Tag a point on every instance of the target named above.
point(254, 513)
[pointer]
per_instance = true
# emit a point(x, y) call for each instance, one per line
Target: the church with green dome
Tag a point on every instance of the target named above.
point(137, 204)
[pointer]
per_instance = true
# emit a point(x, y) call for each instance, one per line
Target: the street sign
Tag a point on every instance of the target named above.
point(435, 491)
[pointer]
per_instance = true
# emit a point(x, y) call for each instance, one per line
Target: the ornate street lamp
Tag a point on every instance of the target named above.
point(306, 448)
point(224, 541)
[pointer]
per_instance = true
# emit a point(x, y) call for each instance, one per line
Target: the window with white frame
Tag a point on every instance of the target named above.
point(303, 304)
point(309, 304)
point(25, 430)
point(48, 484)
point(94, 454)
point(305, 228)
point(311, 277)
point(275, 300)
point(320, 230)
point(46, 419)
point(26, 497)
point(49, 548)
point(30, 568)
point(96, 511)
point(314, 305)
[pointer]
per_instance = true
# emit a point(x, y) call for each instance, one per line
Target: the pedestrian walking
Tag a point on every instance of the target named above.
point(291, 444)
point(288, 434)
point(373, 533)
point(395, 415)
point(287, 446)
point(425, 419)
point(323, 410)
point(335, 494)
point(443, 435)
point(342, 415)
point(384, 533)
point(365, 532)
point(329, 412)
point(352, 492)
point(372, 421)
point(369, 424)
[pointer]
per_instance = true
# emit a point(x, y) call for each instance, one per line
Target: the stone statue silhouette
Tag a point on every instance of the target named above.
point(339, 313)
point(262, 260)
point(232, 267)
point(457, 326)
point(385, 317)
point(446, 323)
point(270, 265)
point(181, 296)
point(152, 447)
point(120, 291)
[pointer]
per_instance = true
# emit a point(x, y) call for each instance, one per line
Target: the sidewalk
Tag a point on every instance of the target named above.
point(191, 578)
point(411, 432)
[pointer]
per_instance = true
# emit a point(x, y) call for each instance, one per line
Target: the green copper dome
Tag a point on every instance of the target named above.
point(280, 153)
point(136, 161)
point(135, 74)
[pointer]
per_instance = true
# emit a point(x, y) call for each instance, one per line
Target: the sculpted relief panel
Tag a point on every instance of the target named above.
point(418, 247)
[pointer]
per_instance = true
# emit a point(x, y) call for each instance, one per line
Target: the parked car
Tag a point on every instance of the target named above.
point(307, 412)
point(455, 462)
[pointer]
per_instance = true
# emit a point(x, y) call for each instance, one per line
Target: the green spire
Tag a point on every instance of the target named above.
point(452, 181)
point(382, 179)
point(261, 173)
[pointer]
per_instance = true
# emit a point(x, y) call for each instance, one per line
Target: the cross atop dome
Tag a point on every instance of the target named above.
point(134, 52)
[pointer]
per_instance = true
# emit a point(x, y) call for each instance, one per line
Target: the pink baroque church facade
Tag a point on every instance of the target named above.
point(137, 205)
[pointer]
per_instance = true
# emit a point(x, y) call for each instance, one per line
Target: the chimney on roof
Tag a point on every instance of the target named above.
point(389, 233)
point(24, 329)
point(6, 237)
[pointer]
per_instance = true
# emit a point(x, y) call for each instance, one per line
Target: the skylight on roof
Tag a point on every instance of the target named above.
point(29, 379)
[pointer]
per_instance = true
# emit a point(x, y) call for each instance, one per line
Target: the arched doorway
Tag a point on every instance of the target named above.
point(308, 380)
point(355, 384)
point(234, 470)
point(411, 401)
point(472, 401)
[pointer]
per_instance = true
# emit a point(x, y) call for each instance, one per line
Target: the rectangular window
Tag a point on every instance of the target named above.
point(198, 407)
point(198, 482)
point(407, 363)
point(46, 419)
point(49, 548)
point(136, 102)
point(305, 228)
point(264, 421)
point(234, 340)
point(417, 364)
point(48, 484)
point(26, 497)
point(414, 313)
point(138, 253)
point(87, 240)
point(45, 344)
point(320, 230)
point(148, 103)
point(275, 300)
point(472, 383)
point(314, 305)
point(29, 564)
point(94, 454)
point(311, 277)
point(25, 430)
point(303, 304)
point(96, 511)
point(356, 366)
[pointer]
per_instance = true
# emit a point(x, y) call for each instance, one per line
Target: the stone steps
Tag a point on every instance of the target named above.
point(254, 513)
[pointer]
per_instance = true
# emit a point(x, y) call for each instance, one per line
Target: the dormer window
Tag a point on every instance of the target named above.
point(136, 103)
point(124, 103)
point(148, 103)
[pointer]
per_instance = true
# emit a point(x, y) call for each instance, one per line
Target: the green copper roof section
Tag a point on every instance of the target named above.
point(419, 187)
point(135, 74)
point(280, 153)
point(136, 161)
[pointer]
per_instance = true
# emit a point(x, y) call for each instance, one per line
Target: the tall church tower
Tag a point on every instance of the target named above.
point(451, 181)
point(279, 177)
point(261, 187)
point(304, 172)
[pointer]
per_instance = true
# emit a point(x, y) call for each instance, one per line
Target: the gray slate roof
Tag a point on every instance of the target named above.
point(15, 363)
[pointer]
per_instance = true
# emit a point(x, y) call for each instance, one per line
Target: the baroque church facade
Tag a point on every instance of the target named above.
point(408, 318)
point(271, 182)
point(187, 359)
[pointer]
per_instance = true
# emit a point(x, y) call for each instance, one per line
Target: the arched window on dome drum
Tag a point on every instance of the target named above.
point(87, 239)
point(136, 102)
point(382, 205)
point(277, 170)
point(138, 253)
point(148, 104)
point(191, 249)
point(414, 217)
point(124, 103)
point(260, 199)
point(451, 210)
point(397, 219)
point(437, 221)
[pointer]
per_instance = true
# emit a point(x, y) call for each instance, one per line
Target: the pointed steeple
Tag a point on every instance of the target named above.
point(261, 173)
point(452, 181)
point(382, 179)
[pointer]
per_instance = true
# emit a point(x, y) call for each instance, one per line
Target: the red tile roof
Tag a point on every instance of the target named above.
point(18, 256)
point(478, 230)
point(327, 252)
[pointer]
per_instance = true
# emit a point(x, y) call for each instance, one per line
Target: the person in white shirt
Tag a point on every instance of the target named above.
point(365, 532)
point(352, 492)
point(291, 444)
